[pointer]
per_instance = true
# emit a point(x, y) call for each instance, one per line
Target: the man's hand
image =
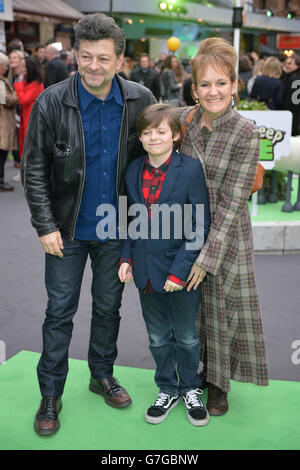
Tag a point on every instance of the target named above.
point(196, 276)
point(52, 244)
point(171, 286)
point(125, 272)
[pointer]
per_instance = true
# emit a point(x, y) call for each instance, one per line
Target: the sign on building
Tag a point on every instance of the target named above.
point(275, 129)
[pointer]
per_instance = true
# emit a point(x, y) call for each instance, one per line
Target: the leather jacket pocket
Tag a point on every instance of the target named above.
point(61, 150)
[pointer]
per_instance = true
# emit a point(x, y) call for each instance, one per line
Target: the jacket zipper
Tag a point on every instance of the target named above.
point(119, 158)
point(83, 179)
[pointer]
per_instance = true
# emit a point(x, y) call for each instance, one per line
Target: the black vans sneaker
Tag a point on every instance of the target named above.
point(158, 412)
point(196, 411)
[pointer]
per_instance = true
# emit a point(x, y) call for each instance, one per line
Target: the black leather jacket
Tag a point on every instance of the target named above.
point(53, 160)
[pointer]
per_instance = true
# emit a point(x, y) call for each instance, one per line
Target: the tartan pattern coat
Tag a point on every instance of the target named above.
point(229, 321)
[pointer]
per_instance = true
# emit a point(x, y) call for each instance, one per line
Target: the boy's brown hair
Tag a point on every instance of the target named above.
point(153, 115)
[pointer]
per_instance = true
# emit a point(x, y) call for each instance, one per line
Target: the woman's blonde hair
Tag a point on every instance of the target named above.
point(216, 52)
point(272, 67)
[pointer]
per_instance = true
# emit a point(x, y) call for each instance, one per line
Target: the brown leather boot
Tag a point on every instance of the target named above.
point(217, 404)
point(111, 390)
point(46, 420)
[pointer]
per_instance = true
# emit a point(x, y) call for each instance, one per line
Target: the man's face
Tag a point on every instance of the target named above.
point(41, 53)
point(290, 65)
point(144, 62)
point(97, 64)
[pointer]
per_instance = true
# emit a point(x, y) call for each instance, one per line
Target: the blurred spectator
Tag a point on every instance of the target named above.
point(291, 74)
point(15, 45)
point(268, 86)
point(187, 94)
point(245, 73)
point(126, 68)
point(257, 70)
point(8, 130)
point(146, 76)
point(40, 54)
point(16, 64)
point(170, 87)
point(67, 57)
point(27, 88)
point(56, 70)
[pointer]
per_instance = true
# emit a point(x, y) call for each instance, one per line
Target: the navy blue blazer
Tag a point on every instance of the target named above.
point(157, 253)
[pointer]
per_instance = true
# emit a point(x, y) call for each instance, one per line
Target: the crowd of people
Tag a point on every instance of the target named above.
point(25, 76)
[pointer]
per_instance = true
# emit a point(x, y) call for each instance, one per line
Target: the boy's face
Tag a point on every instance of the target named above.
point(158, 141)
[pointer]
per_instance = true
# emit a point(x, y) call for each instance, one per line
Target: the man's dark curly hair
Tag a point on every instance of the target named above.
point(99, 26)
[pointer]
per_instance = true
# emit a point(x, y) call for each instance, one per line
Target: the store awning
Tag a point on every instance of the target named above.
point(53, 9)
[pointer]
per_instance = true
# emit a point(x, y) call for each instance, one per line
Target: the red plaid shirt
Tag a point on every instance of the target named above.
point(152, 182)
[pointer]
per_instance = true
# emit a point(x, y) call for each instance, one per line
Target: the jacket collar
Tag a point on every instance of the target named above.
point(226, 116)
point(129, 90)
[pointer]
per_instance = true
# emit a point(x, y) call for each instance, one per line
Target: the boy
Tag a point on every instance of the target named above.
point(161, 264)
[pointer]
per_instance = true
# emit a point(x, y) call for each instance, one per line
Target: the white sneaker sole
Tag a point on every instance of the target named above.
point(159, 419)
point(198, 422)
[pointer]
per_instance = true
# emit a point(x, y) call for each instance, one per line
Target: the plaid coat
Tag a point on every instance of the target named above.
point(229, 323)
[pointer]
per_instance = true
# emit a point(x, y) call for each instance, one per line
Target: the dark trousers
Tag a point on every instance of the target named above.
point(3, 156)
point(63, 277)
point(174, 342)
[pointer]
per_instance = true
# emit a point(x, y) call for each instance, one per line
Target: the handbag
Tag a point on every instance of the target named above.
point(260, 171)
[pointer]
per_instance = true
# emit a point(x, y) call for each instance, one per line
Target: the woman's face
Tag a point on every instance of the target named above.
point(15, 60)
point(3, 69)
point(214, 89)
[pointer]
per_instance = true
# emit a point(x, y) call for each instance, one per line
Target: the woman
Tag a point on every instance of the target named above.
point(257, 70)
point(268, 86)
point(28, 87)
point(232, 343)
point(16, 65)
point(8, 130)
point(170, 87)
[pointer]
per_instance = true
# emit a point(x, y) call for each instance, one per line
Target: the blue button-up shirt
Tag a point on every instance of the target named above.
point(101, 126)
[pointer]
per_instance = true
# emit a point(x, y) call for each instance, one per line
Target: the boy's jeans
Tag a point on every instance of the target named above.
point(174, 342)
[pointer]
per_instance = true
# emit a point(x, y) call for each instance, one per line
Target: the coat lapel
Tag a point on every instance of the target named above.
point(171, 177)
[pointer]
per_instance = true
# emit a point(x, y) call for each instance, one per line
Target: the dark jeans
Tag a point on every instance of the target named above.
point(63, 283)
point(174, 342)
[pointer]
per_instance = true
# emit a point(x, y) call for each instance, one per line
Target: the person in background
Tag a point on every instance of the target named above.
point(290, 77)
point(245, 73)
point(268, 86)
point(227, 144)
point(15, 45)
point(16, 64)
point(170, 87)
point(28, 87)
point(56, 69)
point(40, 54)
point(126, 68)
point(257, 70)
point(8, 129)
point(146, 76)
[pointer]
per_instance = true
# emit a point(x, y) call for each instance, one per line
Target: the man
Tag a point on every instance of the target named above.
point(56, 69)
point(146, 76)
point(81, 135)
point(40, 54)
point(291, 75)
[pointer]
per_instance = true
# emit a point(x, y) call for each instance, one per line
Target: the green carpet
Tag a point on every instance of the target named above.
point(271, 211)
point(259, 418)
